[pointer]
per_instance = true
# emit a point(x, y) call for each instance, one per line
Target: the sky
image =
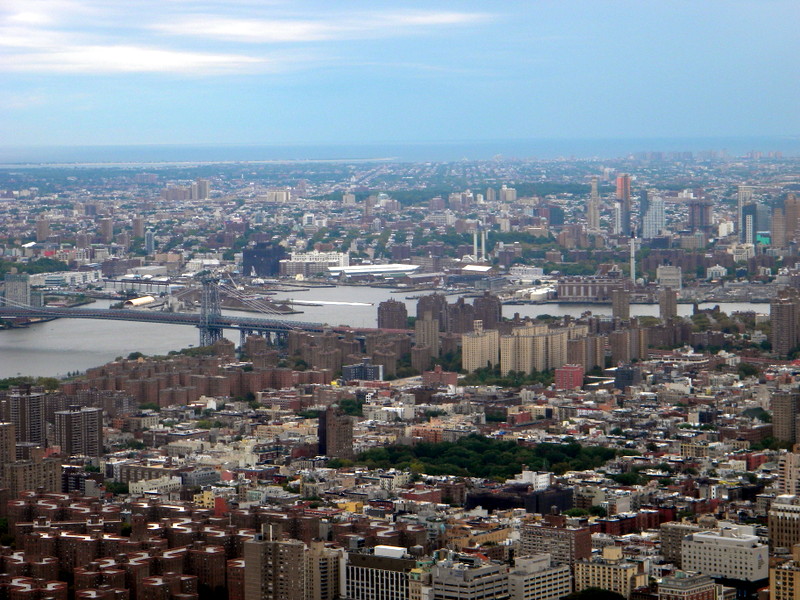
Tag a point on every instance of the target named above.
point(97, 72)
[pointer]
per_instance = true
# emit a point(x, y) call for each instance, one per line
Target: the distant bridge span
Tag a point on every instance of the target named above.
point(243, 324)
point(176, 318)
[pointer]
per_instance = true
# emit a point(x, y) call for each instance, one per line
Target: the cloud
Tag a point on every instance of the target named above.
point(102, 37)
point(130, 59)
point(298, 30)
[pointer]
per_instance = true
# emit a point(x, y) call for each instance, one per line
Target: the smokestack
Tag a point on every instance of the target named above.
point(484, 245)
point(475, 243)
point(633, 260)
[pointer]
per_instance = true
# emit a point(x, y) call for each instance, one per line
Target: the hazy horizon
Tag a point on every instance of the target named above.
point(545, 149)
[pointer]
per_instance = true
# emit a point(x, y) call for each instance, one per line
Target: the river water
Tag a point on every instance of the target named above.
point(62, 346)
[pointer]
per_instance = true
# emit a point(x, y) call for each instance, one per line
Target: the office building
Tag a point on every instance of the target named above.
point(669, 276)
point(569, 377)
point(621, 304)
point(275, 569)
point(667, 304)
point(469, 577)
point(750, 223)
point(149, 242)
point(79, 431)
point(784, 578)
point(480, 349)
point(611, 572)
point(593, 208)
point(392, 314)
point(671, 535)
point(700, 215)
point(687, 586)
point(42, 230)
point(783, 521)
point(488, 309)
point(784, 405)
point(624, 199)
point(791, 220)
point(426, 333)
point(262, 260)
point(744, 196)
point(26, 409)
point(137, 227)
point(534, 347)
point(200, 190)
point(566, 545)
point(382, 575)
point(8, 443)
point(365, 370)
point(335, 433)
point(535, 578)
point(17, 289)
point(654, 220)
point(106, 230)
point(784, 314)
point(730, 553)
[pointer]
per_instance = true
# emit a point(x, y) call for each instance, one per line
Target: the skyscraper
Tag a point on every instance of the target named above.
point(624, 198)
point(79, 431)
point(137, 225)
point(335, 433)
point(593, 208)
point(784, 312)
point(8, 443)
point(392, 314)
point(744, 196)
point(26, 409)
point(700, 215)
point(149, 242)
point(42, 230)
point(667, 304)
point(644, 206)
point(621, 304)
point(275, 569)
point(106, 230)
point(654, 220)
point(200, 189)
point(426, 333)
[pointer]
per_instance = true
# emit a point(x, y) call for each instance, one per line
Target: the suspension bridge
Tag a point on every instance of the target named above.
point(210, 320)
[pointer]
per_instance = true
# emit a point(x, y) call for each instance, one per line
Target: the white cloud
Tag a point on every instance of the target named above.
point(296, 30)
point(106, 36)
point(130, 59)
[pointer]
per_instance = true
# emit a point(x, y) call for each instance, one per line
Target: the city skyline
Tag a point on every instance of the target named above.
point(82, 72)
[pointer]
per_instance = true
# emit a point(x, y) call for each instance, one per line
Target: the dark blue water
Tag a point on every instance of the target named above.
point(412, 152)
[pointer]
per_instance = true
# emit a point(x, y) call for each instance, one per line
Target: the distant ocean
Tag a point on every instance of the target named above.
point(411, 152)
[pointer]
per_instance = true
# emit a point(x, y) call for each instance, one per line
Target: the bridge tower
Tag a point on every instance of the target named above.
point(210, 311)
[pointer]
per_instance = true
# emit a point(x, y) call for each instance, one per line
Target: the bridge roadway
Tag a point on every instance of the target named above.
point(195, 319)
point(112, 314)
